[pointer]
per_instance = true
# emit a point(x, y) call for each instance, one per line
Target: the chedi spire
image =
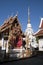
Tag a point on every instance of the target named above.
point(28, 15)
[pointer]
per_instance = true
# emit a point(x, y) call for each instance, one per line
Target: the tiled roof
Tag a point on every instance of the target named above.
point(40, 31)
point(8, 21)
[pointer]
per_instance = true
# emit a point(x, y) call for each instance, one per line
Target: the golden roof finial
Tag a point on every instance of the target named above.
point(17, 13)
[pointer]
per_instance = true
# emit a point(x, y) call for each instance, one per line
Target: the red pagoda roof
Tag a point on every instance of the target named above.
point(40, 31)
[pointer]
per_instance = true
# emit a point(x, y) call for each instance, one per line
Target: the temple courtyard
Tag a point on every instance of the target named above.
point(35, 60)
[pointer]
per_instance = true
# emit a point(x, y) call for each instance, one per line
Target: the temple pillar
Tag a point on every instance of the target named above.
point(2, 43)
point(7, 47)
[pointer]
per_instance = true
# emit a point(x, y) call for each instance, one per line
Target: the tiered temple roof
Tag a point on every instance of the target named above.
point(40, 31)
point(8, 23)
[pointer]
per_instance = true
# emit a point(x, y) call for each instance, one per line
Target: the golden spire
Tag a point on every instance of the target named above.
point(28, 15)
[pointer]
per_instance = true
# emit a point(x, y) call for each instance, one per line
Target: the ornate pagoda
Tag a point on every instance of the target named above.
point(11, 33)
point(28, 31)
point(30, 38)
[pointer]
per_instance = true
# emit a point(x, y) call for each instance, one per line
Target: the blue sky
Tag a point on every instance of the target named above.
point(10, 7)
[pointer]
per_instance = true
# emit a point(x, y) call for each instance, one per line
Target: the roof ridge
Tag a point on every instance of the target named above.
point(41, 23)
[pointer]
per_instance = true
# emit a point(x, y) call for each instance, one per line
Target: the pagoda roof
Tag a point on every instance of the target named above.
point(40, 31)
point(41, 24)
point(7, 23)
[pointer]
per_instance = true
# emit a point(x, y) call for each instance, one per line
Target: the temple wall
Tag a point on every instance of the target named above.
point(40, 44)
point(1, 43)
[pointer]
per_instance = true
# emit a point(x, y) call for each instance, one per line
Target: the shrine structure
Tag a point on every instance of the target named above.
point(11, 34)
point(39, 35)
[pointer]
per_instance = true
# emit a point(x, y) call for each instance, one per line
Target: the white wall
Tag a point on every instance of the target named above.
point(40, 44)
point(0, 43)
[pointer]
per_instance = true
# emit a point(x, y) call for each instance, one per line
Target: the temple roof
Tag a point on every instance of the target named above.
point(40, 31)
point(8, 22)
point(41, 24)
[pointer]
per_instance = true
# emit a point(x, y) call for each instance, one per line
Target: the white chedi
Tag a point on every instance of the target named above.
point(29, 31)
point(29, 34)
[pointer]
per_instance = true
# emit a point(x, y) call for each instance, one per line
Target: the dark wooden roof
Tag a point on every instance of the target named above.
point(7, 23)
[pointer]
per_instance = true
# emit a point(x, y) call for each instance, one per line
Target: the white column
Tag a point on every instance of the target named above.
point(2, 43)
point(7, 47)
point(40, 44)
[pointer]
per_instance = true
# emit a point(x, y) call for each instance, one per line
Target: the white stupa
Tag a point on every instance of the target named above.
point(29, 30)
point(29, 33)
